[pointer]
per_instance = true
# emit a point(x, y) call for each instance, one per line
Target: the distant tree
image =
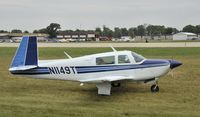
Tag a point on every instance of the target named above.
point(98, 31)
point(189, 28)
point(52, 30)
point(197, 29)
point(107, 32)
point(16, 31)
point(160, 29)
point(69, 31)
point(141, 30)
point(150, 30)
point(175, 31)
point(43, 30)
point(132, 32)
point(168, 31)
point(117, 32)
point(3, 31)
point(26, 31)
point(78, 30)
point(124, 32)
point(35, 31)
point(153, 30)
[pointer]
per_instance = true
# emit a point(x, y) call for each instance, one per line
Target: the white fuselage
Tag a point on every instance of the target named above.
point(83, 68)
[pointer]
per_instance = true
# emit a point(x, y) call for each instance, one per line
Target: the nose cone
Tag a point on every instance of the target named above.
point(174, 64)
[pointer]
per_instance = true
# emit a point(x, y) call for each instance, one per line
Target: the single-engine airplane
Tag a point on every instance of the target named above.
point(104, 69)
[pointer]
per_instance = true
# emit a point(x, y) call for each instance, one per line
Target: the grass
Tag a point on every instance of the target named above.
point(178, 96)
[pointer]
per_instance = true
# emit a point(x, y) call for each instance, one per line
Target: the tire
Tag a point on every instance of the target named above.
point(154, 88)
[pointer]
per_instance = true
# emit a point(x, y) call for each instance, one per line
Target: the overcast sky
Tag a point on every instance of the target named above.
point(89, 14)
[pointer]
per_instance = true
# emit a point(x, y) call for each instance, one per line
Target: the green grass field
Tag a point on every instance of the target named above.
point(179, 96)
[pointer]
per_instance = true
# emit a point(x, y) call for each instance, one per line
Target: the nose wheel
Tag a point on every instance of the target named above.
point(154, 88)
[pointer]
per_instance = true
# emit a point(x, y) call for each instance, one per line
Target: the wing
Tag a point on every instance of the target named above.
point(104, 83)
point(106, 79)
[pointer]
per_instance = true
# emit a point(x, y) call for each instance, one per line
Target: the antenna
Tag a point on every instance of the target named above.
point(114, 50)
point(67, 55)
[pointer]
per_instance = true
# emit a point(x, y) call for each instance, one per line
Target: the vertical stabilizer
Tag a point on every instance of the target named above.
point(26, 55)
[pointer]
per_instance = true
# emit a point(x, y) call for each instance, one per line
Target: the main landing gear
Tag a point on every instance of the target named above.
point(154, 88)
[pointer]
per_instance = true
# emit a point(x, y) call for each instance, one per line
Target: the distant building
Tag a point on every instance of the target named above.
point(4, 37)
point(126, 38)
point(104, 38)
point(39, 38)
point(16, 37)
point(185, 36)
point(77, 35)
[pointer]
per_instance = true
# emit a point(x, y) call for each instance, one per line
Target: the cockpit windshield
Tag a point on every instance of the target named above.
point(138, 58)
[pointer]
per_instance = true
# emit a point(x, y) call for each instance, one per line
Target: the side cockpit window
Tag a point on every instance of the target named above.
point(105, 60)
point(123, 59)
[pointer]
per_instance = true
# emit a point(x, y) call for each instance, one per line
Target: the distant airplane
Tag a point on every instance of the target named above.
point(106, 70)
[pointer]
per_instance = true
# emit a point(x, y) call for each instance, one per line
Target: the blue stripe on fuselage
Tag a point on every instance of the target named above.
point(93, 69)
point(145, 64)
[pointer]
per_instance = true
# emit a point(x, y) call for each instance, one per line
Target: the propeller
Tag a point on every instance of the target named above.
point(171, 73)
point(171, 70)
point(174, 64)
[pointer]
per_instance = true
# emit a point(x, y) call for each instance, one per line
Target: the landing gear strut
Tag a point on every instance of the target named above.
point(154, 88)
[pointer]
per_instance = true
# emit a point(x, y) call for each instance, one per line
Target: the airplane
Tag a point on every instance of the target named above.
point(106, 70)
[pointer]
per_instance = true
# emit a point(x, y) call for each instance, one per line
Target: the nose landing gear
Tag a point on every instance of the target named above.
point(154, 82)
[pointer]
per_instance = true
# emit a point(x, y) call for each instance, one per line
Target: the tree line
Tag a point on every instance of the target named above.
point(141, 30)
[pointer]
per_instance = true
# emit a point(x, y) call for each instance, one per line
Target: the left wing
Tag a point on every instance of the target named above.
point(104, 83)
point(106, 79)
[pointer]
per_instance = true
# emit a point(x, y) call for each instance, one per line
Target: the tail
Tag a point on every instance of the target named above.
point(26, 56)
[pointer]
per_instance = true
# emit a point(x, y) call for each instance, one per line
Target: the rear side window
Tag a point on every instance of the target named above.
point(105, 60)
point(123, 59)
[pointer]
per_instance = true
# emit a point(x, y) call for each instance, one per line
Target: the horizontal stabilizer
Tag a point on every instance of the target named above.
point(27, 67)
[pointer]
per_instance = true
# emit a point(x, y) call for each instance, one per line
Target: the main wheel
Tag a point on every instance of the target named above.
point(154, 88)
